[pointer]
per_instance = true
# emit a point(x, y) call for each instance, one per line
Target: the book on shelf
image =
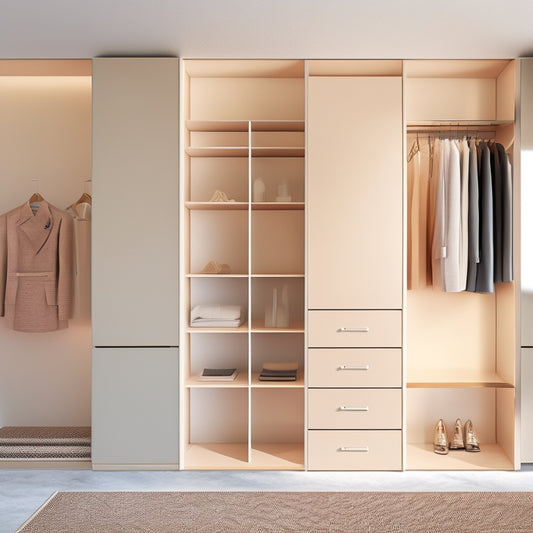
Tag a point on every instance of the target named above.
point(279, 372)
point(218, 374)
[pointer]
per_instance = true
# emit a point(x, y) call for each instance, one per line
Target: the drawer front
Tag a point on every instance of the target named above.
point(355, 408)
point(354, 450)
point(355, 329)
point(360, 367)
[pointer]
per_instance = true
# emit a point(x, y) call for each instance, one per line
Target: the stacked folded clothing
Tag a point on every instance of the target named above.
point(218, 374)
point(279, 372)
point(45, 443)
point(216, 316)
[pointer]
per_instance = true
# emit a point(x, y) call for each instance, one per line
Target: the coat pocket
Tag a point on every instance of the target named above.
point(50, 290)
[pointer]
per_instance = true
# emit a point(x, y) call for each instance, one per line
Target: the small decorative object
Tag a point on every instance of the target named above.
point(283, 193)
point(259, 190)
point(277, 312)
point(220, 196)
point(214, 267)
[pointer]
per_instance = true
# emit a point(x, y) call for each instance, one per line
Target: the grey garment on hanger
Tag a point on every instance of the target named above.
point(473, 220)
point(497, 209)
point(507, 207)
point(485, 268)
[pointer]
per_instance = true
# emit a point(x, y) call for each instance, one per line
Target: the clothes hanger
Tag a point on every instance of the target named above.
point(415, 148)
point(36, 196)
point(84, 198)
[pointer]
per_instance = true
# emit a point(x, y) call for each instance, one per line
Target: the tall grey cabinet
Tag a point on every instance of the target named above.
point(135, 263)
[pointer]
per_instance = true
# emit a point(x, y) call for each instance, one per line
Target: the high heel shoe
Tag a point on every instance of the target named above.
point(440, 438)
point(458, 442)
point(471, 441)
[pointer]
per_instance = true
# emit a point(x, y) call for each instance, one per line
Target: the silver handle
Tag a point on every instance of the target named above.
point(352, 449)
point(344, 408)
point(353, 330)
point(349, 367)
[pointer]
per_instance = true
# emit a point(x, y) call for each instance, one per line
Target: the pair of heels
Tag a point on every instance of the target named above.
point(463, 438)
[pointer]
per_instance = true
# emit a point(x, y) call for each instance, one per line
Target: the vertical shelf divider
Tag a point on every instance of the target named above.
point(249, 291)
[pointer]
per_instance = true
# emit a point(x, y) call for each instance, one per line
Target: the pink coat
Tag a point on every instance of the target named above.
point(36, 273)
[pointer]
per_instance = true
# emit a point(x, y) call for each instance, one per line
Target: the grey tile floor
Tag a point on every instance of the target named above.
point(23, 491)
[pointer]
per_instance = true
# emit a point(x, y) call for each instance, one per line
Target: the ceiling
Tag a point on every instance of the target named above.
point(267, 28)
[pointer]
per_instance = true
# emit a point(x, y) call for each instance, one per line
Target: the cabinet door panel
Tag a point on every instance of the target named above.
point(355, 193)
point(135, 216)
point(135, 407)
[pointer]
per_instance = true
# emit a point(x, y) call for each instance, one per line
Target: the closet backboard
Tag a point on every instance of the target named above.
point(459, 90)
point(460, 348)
point(245, 90)
point(45, 134)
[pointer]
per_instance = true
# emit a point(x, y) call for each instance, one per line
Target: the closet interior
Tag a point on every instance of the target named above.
point(45, 139)
point(242, 262)
point(460, 348)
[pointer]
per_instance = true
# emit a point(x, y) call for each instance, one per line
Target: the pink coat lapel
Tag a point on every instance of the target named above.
point(36, 227)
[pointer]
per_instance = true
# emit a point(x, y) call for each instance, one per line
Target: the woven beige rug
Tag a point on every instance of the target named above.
point(243, 512)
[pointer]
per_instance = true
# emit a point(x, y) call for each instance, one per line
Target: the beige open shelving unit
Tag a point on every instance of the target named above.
point(243, 120)
point(460, 348)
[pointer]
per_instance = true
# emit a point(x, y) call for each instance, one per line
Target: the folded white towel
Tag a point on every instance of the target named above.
point(210, 323)
point(216, 312)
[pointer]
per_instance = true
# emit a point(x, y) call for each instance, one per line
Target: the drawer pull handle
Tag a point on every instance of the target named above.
point(353, 330)
point(349, 367)
point(344, 408)
point(352, 449)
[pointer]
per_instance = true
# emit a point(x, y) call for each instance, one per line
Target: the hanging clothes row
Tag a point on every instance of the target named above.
point(44, 264)
point(460, 215)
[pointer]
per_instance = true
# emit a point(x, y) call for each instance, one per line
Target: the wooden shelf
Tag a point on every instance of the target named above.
point(217, 206)
point(235, 457)
point(278, 125)
point(278, 151)
point(241, 381)
point(243, 151)
point(217, 125)
point(278, 275)
point(243, 125)
point(217, 151)
point(453, 380)
point(240, 329)
point(295, 326)
point(491, 457)
point(238, 206)
point(278, 206)
point(217, 275)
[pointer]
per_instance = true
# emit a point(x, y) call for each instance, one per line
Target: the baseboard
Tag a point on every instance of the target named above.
point(134, 466)
point(44, 464)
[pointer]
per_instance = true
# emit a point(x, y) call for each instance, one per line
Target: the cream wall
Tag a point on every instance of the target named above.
point(45, 133)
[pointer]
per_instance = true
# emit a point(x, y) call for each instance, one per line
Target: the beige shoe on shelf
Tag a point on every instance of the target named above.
point(471, 440)
point(214, 267)
point(440, 438)
point(458, 441)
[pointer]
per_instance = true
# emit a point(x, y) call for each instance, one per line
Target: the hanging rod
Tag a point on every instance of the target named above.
point(468, 132)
